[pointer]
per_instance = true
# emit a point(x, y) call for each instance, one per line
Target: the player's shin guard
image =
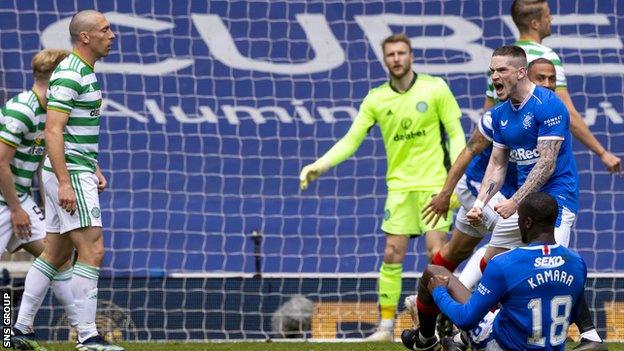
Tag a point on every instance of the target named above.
point(84, 288)
point(36, 287)
point(389, 286)
point(62, 288)
point(584, 322)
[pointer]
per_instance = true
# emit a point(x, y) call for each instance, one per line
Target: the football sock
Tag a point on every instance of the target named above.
point(389, 286)
point(62, 288)
point(585, 323)
point(441, 261)
point(471, 274)
point(36, 286)
point(84, 288)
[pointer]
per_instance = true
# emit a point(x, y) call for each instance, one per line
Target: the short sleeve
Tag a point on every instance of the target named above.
point(497, 137)
point(553, 120)
point(485, 126)
point(561, 81)
point(16, 124)
point(63, 90)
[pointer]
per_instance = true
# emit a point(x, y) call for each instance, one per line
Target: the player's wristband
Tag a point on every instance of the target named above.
point(478, 204)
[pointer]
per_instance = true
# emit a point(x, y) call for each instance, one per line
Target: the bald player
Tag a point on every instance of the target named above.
point(73, 180)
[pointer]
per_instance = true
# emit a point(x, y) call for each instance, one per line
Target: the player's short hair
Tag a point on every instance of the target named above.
point(513, 51)
point(45, 61)
point(81, 21)
point(397, 38)
point(524, 11)
point(541, 207)
point(540, 60)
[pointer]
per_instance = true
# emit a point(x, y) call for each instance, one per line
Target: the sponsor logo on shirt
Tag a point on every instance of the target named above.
point(95, 112)
point(504, 123)
point(553, 121)
point(549, 262)
point(482, 289)
point(406, 123)
point(524, 156)
point(409, 136)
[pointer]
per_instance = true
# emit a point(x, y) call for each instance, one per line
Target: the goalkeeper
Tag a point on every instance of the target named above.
point(412, 111)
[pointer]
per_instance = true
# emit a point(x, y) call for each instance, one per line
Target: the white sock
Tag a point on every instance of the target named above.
point(386, 324)
point(471, 274)
point(84, 288)
point(62, 288)
point(591, 335)
point(36, 286)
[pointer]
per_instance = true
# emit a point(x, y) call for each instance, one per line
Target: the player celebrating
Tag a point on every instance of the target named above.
point(538, 286)
point(72, 177)
point(21, 151)
point(505, 233)
point(409, 109)
point(533, 18)
point(531, 128)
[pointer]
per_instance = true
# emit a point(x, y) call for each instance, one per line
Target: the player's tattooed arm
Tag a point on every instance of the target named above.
point(494, 175)
point(543, 169)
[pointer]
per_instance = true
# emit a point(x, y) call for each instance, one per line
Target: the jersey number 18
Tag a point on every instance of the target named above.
point(557, 320)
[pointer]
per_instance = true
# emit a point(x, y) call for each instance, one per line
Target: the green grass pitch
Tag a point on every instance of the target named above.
point(263, 346)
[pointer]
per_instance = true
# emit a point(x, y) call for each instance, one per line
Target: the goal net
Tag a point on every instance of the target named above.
point(211, 110)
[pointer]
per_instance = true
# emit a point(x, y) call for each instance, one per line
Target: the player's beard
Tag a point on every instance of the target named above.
point(402, 73)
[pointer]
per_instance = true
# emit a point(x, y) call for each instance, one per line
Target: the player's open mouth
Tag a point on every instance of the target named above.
point(499, 87)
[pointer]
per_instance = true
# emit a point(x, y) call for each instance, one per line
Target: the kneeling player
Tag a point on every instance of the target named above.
point(538, 287)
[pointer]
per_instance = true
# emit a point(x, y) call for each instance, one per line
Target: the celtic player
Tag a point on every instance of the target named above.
point(411, 110)
point(71, 176)
point(21, 151)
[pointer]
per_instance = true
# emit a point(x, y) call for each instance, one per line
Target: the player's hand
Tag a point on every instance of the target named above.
point(102, 183)
point(67, 198)
point(475, 216)
point(21, 223)
point(311, 172)
point(437, 280)
point(437, 207)
point(506, 208)
point(612, 162)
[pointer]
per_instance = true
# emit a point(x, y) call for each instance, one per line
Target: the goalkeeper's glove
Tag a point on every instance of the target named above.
point(312, 172)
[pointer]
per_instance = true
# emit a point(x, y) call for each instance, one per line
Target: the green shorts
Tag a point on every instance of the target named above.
point(403, 214)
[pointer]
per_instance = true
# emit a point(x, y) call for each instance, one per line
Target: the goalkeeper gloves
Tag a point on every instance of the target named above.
point(312, 172)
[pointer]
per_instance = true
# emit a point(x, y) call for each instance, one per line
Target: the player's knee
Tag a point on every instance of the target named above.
point(92, 255)
point(54, 258)
point(393, 254)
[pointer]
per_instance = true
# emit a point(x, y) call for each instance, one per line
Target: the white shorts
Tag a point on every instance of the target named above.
point(505, 232)
point(88, 213)
point(565, 222)
point(8, 240)
point(481, 337)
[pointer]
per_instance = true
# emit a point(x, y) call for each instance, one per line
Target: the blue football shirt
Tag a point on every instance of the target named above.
point(541, 116)
point(538, 287)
